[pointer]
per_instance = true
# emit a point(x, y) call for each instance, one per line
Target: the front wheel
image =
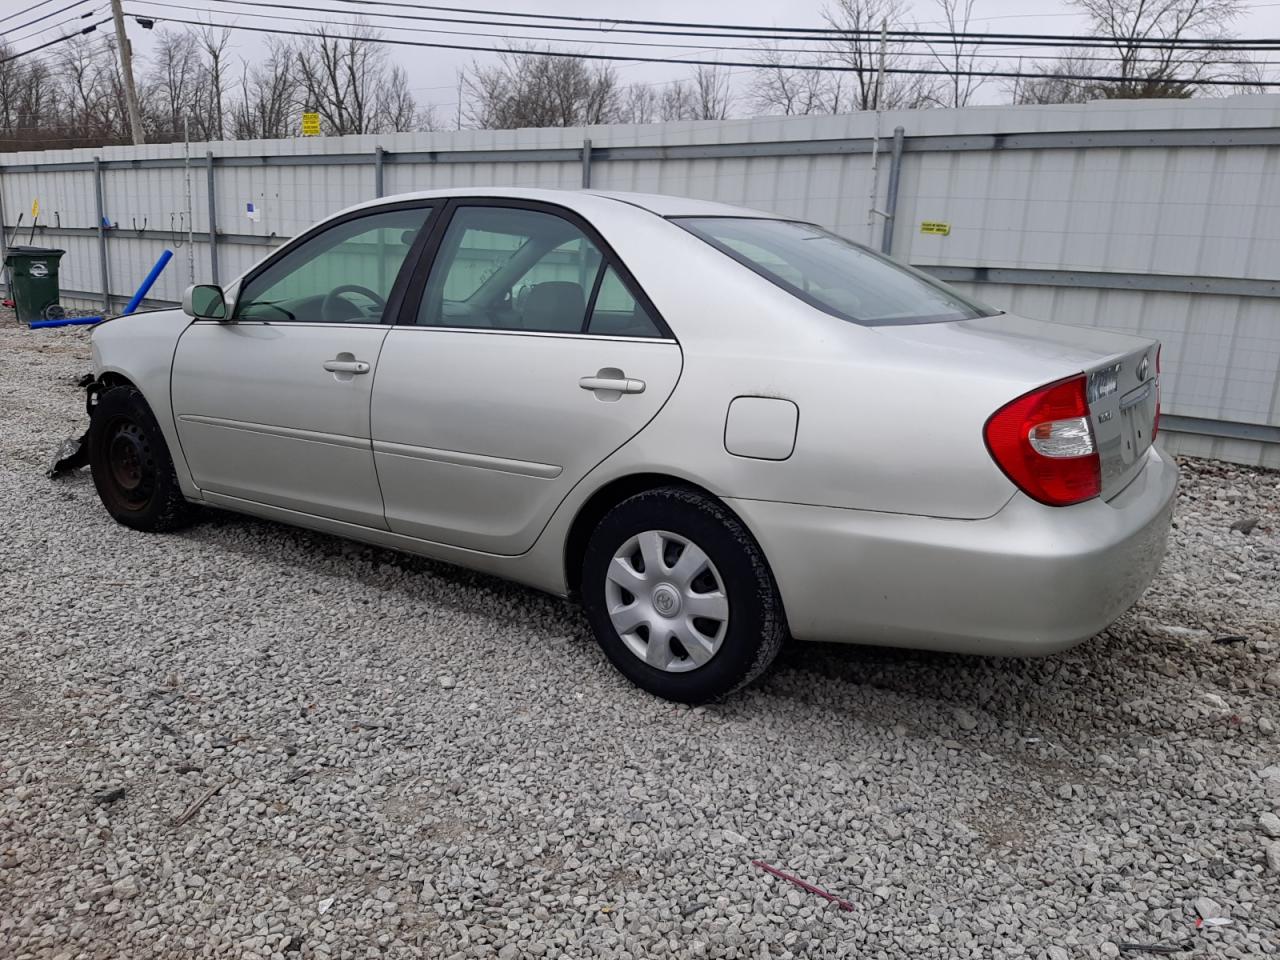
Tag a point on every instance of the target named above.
point(680, 597)
point(131, 466)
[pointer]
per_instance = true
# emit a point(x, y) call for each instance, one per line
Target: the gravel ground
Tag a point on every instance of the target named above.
point(252, 741)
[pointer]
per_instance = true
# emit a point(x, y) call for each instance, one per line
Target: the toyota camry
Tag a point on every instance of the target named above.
point(717, 428)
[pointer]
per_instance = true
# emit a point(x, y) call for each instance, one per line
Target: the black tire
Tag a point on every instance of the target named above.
point(755, 629)
point(131, 466)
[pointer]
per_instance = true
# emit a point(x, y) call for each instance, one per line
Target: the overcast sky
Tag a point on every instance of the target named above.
point(433, 73)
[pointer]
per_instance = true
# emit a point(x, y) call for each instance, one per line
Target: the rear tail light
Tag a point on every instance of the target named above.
point(1044, 443)
point(1155, 423)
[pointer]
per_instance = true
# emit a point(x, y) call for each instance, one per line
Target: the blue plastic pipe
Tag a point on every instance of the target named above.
point(131, 306)
point(64, 322)
point(147, 284)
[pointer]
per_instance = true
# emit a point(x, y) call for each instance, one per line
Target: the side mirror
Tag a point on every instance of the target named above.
point(205, 301)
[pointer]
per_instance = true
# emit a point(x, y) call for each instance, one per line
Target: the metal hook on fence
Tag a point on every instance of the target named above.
point(57, 220)
point(139, 230)
point(177, 234)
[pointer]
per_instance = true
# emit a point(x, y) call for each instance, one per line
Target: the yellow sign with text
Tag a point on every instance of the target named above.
point(936, 227)
point(311, 124)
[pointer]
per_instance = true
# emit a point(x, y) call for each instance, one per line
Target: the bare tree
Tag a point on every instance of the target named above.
point(213, 45)
point(707, 95)
point(678, 102)
point(270, 95)
point(638, 103)
point(1137, 70)
point(1129, 22)
point(350, 83)
point(90, 91)
point(174, 89)
point(860, 51)
point(713, 93)
point(600, 96)
point(774, 88)
point(1051, 83)
point(398, 108)
point(75, 95)
point(959, 57)
point(524, 89)
point(27, 98)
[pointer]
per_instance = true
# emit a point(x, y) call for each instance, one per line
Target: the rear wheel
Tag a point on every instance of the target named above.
point(680, 597)
point(131, 466)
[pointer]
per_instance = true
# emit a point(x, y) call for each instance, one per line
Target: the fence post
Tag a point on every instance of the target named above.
point(891, 196)
point(4, 242)
point(213, 216)
point(103, 272)
point(586, 163)
point(378, 153)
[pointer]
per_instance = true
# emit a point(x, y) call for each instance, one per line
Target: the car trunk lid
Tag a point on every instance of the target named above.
point(1120, 369)
point(1123, 404)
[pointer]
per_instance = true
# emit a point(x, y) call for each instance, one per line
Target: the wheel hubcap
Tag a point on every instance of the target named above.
point(667, 601)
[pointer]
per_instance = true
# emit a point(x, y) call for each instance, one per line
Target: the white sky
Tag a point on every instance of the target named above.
point(433, 73)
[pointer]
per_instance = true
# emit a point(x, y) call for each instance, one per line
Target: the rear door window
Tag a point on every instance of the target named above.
point(617, 312)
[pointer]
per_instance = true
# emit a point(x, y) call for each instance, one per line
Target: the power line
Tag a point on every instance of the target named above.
point(438, 30)
point(56, 40)
point(41, 19)
point(55, 26)
point(498, 36)
point(636, 58)
point(24, 10)
point(767, 64)
point(787, 33)
point(88, 50)
point(928, 38)
point(496, 23)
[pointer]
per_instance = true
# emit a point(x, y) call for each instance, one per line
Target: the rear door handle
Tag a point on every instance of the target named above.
point(346, 366)
point(612, 384)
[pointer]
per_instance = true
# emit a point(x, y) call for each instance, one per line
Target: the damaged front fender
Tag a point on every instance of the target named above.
point(73, 453)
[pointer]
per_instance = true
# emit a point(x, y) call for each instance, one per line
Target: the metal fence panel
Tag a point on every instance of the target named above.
point(1158, 217)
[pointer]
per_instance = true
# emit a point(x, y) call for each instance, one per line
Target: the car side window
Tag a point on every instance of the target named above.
point(342, 275)
point(511, 268)
point(618, 313)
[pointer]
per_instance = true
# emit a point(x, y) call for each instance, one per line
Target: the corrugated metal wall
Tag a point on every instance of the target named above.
point(1159, 217)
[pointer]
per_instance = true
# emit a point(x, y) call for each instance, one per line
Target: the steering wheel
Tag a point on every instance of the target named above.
point(334, 309)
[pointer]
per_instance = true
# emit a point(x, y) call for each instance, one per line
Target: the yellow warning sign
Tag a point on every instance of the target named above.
point(936, 227)
point(35, 209)
point(311, 124)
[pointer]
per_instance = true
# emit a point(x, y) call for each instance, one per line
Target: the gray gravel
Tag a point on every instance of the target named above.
point(372, 755)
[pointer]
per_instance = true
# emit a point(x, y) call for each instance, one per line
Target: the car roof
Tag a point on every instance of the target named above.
point(660, 204)
point(668, 206)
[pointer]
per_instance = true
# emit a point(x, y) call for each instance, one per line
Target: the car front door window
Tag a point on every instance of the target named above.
point(343, 275)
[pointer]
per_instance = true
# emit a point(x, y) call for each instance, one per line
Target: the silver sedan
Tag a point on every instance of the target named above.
point(716, 427)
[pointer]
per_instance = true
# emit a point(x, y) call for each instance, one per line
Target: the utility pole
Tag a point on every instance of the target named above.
point(126, 73)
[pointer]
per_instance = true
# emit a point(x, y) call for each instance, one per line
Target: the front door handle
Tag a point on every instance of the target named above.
point(346, 366)
point(612, 384)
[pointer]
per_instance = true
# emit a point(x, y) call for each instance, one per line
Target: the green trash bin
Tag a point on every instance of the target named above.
point(33, 281)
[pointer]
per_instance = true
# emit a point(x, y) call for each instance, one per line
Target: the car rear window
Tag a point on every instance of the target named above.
point(833, 274)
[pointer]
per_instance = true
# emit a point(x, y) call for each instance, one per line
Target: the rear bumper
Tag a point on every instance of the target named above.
point(1030, 580)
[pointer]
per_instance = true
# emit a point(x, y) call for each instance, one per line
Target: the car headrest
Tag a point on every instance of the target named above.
point(555, 305)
